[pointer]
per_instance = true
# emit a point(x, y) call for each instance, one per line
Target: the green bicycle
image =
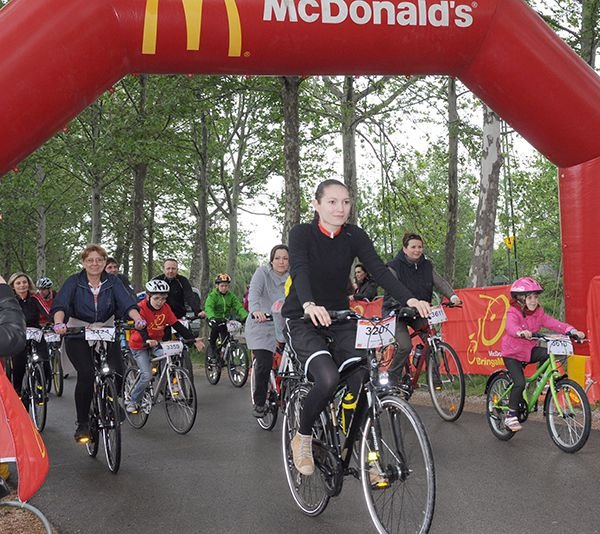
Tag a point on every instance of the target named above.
point(566, 406)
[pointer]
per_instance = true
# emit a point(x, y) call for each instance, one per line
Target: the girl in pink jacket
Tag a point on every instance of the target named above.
point(524, 318)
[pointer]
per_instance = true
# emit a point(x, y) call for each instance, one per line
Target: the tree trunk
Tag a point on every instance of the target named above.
point(150, 238)
point(348, 107)
point(491, 162)
point(96, 201)
point(452, 224)
point(42, 225)
point(233, 225)
point(290, 87)
point(140, 172)
point(589, 39)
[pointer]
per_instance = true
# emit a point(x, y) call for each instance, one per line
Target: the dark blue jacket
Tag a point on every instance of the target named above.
point(76, 299)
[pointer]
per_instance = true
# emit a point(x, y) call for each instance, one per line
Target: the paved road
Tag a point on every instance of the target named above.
point(226, 476)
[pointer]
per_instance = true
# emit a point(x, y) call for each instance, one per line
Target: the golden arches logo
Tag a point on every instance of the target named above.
point(193, 23)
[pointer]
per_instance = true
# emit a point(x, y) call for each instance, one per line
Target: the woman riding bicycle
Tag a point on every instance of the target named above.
point(158, 315)
point(524, 318)
point(418, 274)
point(321, 256)
point(24, 289)
point(266, 286)
point(91, 297)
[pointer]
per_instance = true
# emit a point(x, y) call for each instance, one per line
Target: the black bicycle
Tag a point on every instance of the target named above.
point(33, 391)
point(231, 354)
point(56, 367)
point(383, 434)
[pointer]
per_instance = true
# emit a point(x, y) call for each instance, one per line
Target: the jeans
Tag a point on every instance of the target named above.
point(142, 358)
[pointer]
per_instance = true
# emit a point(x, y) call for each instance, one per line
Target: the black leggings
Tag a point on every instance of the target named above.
point(516, 371)
point(81, 356)
point(216, 331)
point(324, 373)
point(263, 362)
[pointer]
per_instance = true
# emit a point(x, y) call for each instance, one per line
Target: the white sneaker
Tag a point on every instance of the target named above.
point(377, 477)
point(512, 423)
point(132, 407)
point(302, 452)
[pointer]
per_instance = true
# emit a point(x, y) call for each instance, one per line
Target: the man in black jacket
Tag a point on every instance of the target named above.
point(12, 322)
point(180, 292)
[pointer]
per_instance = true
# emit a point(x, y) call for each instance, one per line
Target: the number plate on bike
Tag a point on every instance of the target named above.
point(437, 315)
point(372, 335)
point(96, 333)
point(184, 322)
point(51, 337)
point(34, 334)
point(560, 346)
point(171, 348)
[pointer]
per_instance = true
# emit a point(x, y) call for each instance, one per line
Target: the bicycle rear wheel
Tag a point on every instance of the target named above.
point(138, 419)
point(180, 400)
point(57, 372)
point(402, 499)
point(570, 431)
point(446, 382)
point(110, 423)
point(238, 364)
point(497, 406)
point(309, 492)
point(38, 396)
point(212, 366)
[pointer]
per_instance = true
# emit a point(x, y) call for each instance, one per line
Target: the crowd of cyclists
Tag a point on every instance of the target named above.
point(310, 276)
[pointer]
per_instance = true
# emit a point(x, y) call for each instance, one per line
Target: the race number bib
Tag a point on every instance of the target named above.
point(184, 322)
point(51, 337)
point(233, 326)
point(437, 315)
point(34, 334)
point(372, 335)
point(171, 348)
point(560, 346)
point(100, 333)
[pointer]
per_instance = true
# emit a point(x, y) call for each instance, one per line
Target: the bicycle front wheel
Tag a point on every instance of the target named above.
point(180, 400)
point(267, 422)
point(497, 406)
point(238, 365)
point(212, 366)
point(57, 372)
point(446, 382)
point(110, 424)
point(571, 430)
point(397, 468)
point(309, 492)
point(38, 397)
point(138, 419)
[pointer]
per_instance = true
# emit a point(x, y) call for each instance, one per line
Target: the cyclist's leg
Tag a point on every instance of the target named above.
point(538, 355)
point(115, 361)
point(515, 370)
point(142, 358)
point(263, 362)
point(404, 346)
point(19, 362)
point(80, 355)
point(214, 334)
point(45, 357)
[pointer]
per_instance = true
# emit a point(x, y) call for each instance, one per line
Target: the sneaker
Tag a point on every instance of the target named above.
point(82, 433)
point(132, 407)
point(377, 477)
point(302, 452)
point(512, 423)
point(260, 411)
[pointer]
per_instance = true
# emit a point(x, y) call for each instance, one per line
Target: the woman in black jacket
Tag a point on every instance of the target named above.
point(364, 287)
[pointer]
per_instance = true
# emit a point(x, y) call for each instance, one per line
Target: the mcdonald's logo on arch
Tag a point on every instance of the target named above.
point(193, 22)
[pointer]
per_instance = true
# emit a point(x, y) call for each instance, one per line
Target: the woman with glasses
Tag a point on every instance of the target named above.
point(418, 274)
point(91, 297)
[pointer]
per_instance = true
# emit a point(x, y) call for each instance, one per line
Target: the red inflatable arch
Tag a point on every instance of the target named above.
point(60, 56)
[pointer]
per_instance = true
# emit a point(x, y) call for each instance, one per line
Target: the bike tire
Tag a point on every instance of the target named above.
point(497, 407)
point(212, 367)
point(404, 500)
point(93, 445)
point(110, 424)
point(139, 419)
point(238, 364)
point(38, 397)
point(58, 377)
point(267, 422)
point(571, 431)
point(446, 382)
point(308, 492)
point(181, 402)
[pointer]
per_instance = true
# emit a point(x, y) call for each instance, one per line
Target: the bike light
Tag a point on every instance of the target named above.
point(35, 358)
point(106, 369)
point(384, 378)
point(373, 456)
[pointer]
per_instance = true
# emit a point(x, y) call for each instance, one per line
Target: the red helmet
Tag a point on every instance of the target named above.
point(525, 285)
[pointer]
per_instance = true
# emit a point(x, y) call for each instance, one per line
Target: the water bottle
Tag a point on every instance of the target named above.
point(348, 407)
point(417, 354)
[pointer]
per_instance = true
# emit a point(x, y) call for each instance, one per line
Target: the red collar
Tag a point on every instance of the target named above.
point(329, 234)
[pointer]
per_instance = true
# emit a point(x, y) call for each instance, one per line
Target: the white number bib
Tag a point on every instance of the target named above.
point(100, 333)
point(437, 315)
point(372, 335)
point(51, 337)
point(560, 346)
point(233, 326)
point(34, 334)
point(171, 348)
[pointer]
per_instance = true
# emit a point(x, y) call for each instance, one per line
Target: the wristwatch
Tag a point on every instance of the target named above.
point(307, 304)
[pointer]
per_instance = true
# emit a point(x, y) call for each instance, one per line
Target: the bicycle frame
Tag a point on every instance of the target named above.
point(165, 362)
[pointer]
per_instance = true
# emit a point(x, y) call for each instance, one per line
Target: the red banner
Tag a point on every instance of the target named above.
point(593, 324)
point(20, 441)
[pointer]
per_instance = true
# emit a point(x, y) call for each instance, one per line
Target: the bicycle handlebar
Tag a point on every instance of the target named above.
point(405, 312)
point(548, 337)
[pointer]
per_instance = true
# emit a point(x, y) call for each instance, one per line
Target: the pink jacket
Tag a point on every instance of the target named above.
point(519, 348)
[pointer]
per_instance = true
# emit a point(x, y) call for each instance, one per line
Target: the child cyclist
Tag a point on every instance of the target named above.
point(158, 315)
point(524, 318)
point(220, 305)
